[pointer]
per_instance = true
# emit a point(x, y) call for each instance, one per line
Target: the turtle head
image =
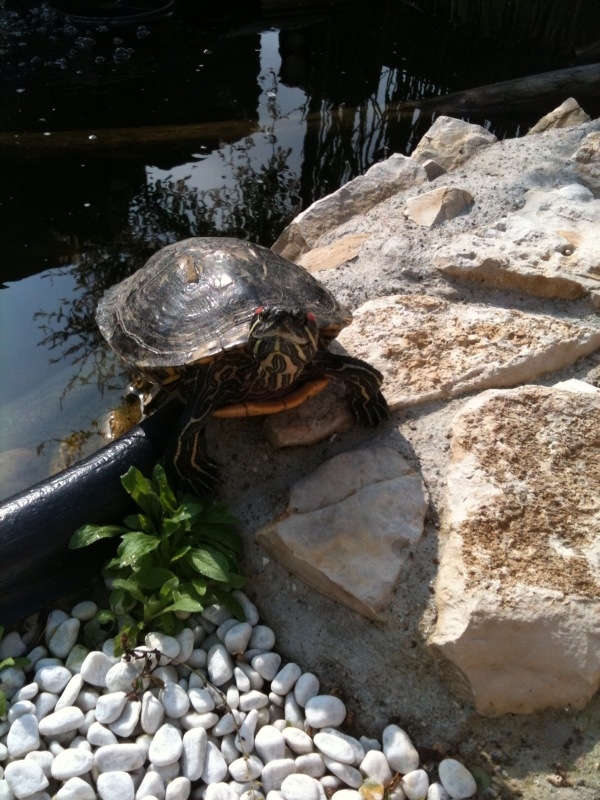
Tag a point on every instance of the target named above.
point(282, 341)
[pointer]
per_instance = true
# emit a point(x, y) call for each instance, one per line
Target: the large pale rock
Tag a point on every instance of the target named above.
point(548, 248)
point(518, 588)
point(348, 527)
point(567, 114)
point(429, 349)
point(357, 197)
point(450, 142)
point(438, 205)
point(587, 161)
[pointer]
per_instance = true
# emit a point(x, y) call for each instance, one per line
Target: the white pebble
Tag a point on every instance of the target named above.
point(193, 755)
point(399, 750)
point(215, 766)
point(197, 659)
point(275, 772)
point(36, 655)
point(220, 791)
point(246, 769)
point(346, 773)
point(62, 721)
point(11, 680)
point(262, 638)
point(194, 720)
point(219, 665)
point(293, 714)
point(115, 786)
point(175, 700)
point(253, 699)
point(72, 763)
point(27, 692)
point(267, 665)
point(24, 778)
point(119, 757)
point(186, 642)
point(76, 657)
point(437, 792)
point(110, 707)
point(125, 725)
point(23, 736)
point(151, 786)
point(76, 789)
point(248, 607)
point(98, 735)
point(269, 743)
point(55, 618)
point(325, 711)
point(19, 709)
point(51, 678)
point(346, 794)
point(168, 645)
point(415, 784)
point(70, 692)
point(152, 713)
point(310, 764)
point(334, 747)
point(44, 759)
point(178, 789)
point(237, 637)
point(244, 739)
point(95, 668)
point(201, 700)
point(300, 787)
point(44, 704)
point(285, 679)
point(375, 765)
point(122, 676)
point(64, 638)
point(297, 740)
point(215, 613)
point(306, 686)
point(85, 610)
point(456, 779)
point(167, 745)
point(12, 646)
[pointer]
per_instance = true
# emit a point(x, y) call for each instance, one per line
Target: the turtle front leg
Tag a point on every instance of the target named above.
point(363, 394)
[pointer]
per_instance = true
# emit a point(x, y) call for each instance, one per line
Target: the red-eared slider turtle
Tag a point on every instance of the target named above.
point(224, 322)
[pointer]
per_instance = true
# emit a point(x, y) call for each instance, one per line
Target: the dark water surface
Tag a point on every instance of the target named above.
point(118, 139)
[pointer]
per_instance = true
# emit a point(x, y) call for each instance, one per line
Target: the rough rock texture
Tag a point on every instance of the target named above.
point(348, 527)
point(332, 255)
point(550, 247)
point(567, 114)
point(358, 196)
point(587, 161)
point(430, 349)
point(438, 205)
point(450, 142)
point(518, 588)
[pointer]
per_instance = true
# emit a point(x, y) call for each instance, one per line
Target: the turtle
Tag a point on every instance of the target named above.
point(231, 328)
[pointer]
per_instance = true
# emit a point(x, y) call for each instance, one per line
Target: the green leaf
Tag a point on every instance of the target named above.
point(166, 494)
point(88, 534)
point(153, 577)
point(143, 492)
point(168, 588)
point(131, 588)
point(209, 562)
point(3, 705)
point(134, 545)
point(224, 598)
point(185, 604)
point(183, 551)
point(140, 522)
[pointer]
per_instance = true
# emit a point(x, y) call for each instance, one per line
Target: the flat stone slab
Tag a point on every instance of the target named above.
point(429, 349)
point(548, 248)
point(349, 526)
point(518, 588)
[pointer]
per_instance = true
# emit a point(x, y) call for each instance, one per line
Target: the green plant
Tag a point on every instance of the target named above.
point(19, 663)
point(175, 558)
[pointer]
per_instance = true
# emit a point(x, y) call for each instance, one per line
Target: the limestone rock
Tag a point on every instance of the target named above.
point(349, 526)
point(429, 349)
point(356, 197)
point(567, 114)
point(332, 255)
point(450, 142)
point(518, 588)
point(587, 161)
point(549, 248)
point(438, 205)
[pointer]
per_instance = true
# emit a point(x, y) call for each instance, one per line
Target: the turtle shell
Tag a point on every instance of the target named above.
point(195, 299)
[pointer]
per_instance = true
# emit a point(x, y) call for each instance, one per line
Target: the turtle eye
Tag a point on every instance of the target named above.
point(258, 311)
point(310, 316)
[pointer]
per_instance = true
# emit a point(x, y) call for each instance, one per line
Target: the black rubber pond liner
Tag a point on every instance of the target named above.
point(119, 12)
point(36, 566)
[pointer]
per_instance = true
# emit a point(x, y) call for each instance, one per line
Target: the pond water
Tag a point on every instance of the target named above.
point(116, 139)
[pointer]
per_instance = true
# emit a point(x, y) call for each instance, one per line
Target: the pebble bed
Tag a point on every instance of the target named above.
point(210, 713)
